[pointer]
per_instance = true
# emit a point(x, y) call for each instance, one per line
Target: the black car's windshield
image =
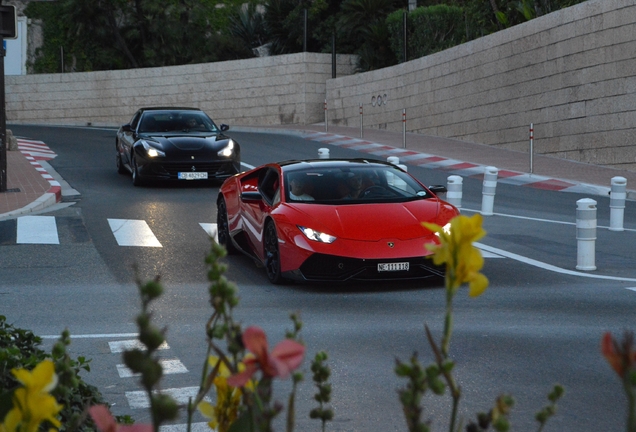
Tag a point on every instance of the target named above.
point(352, 185)
point(176, 122)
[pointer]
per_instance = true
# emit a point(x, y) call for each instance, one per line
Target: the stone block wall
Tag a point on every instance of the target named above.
point(571, 73)
point(260, 91)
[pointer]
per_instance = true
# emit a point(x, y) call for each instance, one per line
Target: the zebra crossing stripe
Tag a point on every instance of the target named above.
point(126, 345)
point(130, 232)
point(37, 230)
point(139, 399)
point(211, 229)
point(170, 367)
point(194, 427)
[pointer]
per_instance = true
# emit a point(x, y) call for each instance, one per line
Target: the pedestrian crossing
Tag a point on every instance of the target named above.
point(48, 230)
point(138, 399)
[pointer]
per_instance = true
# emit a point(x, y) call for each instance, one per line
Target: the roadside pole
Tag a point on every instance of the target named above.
point(8, 29)
point(3, 121)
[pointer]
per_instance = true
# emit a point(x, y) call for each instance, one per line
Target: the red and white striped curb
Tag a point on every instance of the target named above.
point(453, 166)
point(35, 151)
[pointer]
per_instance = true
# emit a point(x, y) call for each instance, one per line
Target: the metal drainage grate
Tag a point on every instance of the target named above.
point(13, 190)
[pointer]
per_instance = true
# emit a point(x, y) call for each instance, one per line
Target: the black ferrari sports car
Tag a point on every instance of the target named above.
point(175, 144)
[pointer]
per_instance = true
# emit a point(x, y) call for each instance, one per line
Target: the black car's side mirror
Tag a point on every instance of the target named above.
point(438, 189)
point(126, 128)
point(224, 127)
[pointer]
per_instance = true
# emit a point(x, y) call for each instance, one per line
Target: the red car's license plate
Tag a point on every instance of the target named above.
point(400, 266)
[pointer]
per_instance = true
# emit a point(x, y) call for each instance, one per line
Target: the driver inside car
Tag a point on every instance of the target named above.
point(354, 186)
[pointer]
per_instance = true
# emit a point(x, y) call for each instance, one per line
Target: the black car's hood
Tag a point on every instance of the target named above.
point(188, 142)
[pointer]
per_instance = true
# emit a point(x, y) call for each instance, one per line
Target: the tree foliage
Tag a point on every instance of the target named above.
point(121, 34)
point(87, 35)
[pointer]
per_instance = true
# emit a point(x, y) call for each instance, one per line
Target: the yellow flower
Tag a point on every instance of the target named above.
point(228, 398)
point(463, 261)
point(32, 404)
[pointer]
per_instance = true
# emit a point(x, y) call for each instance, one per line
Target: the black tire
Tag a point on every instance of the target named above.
point(272, 254)
point(223, 227)
point(121, 169)
point(136, 179)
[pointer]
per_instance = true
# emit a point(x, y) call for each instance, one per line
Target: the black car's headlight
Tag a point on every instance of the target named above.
point(151, 151)
point(316, 235)
point(228, 150)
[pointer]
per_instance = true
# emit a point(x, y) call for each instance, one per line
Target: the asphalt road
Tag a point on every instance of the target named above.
point(535, 326)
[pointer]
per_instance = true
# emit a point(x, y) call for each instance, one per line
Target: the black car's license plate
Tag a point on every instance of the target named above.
point(193, 176)
point(399, 266)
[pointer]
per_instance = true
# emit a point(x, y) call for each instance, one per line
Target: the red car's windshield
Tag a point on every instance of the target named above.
point(352, 185)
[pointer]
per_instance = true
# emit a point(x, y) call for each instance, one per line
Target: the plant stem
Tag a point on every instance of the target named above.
point(631, 403)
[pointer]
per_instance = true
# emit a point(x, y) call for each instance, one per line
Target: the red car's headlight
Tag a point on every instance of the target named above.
point(316, 235)
point(446, 229)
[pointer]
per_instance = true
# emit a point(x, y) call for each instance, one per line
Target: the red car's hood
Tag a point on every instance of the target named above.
point(370, 222)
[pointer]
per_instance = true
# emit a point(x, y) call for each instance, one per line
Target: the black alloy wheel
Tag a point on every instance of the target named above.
point(272, 254)
point(136, 179)
point(121, 169)
point(223, 227)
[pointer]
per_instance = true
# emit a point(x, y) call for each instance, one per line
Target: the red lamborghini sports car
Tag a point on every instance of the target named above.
point(332, 220)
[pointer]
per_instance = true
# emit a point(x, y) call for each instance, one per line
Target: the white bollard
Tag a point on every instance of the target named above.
point(488, 190)
point(323, 153)
point(617, 203)
point(396, 161)
point(586, 234)
point(454, 194)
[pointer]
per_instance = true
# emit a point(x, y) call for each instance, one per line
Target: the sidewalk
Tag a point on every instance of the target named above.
point(32, 184)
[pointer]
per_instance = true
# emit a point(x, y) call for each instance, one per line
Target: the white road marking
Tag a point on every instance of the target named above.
point(37, 230)
point(95, 336)
point(130, 232)
point(170, 367)
point(539, 219)
point(631, 288)
point(211, 229)
point(139, 399)
point(545, 266)
point(121, 346)
point(488, 254)
point(248, 166)
point(194, 427)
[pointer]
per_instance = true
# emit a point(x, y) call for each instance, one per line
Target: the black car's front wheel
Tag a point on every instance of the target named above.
point(121, 169)
point(272, 254)
point(136, 179)
point(223, 227)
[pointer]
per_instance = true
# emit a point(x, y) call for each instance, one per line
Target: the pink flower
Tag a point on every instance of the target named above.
point(621, 357)
point(280, 362)
point(106, 422)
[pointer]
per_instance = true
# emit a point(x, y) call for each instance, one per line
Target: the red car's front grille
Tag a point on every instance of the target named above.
point(320, 267)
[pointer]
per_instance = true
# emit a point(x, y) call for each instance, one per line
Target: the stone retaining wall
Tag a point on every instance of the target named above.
point(261, 91)
point(571, 73)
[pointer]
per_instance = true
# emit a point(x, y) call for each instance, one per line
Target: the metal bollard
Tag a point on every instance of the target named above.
point(488, 190)
point(617, 203)
point(585, 234)
point(323, 153)
point(454, 194)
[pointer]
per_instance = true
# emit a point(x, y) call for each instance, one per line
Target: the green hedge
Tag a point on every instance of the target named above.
point(20, 348)
point(429, 30)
